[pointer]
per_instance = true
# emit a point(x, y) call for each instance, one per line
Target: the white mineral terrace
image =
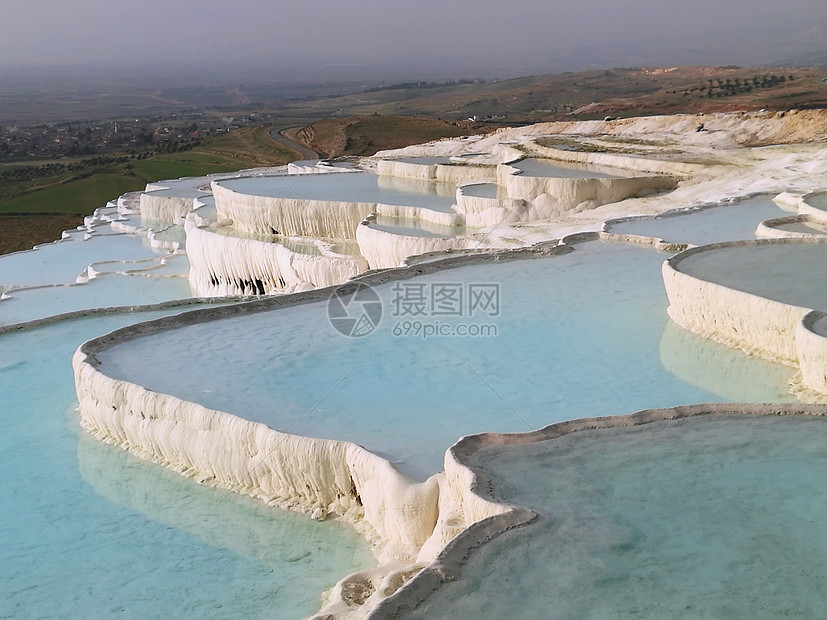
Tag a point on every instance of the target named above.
point(419, 214)
point(757, 296)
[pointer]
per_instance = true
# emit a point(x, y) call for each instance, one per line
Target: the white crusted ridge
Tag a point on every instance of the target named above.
point(772, 329)
point(224, 265)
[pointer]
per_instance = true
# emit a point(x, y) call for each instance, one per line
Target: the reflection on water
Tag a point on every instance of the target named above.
point(362, 187)
point(417, 186)
point(284, 542)
point(414, 228)
point(706, 517)
point(88, 531)
point(708, 225)
point(721, 370)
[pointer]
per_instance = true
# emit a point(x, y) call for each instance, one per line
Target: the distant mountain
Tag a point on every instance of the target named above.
point(810, 59)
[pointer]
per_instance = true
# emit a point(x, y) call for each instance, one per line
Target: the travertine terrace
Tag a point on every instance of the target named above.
point(284, 240)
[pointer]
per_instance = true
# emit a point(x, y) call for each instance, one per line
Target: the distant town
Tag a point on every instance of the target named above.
point(160, 133)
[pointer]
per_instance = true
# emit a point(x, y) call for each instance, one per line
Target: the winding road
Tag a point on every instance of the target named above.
point(276, 133)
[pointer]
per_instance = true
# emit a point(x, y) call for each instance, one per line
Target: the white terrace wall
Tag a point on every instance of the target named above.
point(736, 318)
point(336, 477)
point(383, 249)
point(221, 265)
point(292, 217)
point(169, 209)
point(567, 193)
point(781, 332)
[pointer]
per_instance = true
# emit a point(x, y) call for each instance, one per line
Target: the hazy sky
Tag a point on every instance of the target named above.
point(389, 32)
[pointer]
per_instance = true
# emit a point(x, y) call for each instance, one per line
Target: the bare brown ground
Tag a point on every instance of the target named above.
point(22, 232)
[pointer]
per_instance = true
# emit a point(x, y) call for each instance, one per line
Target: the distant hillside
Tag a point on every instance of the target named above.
point(811, 59)
point(590, 94)
point(364, 135)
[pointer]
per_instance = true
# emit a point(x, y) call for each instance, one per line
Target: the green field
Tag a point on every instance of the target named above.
point(247, 148)
point(35, 211)
point(78, 197)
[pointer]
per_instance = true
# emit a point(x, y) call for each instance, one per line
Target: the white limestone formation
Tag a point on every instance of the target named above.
point(407, 523)
point(778, 331)
point(448, 172)
point(613, 160)
point(222, 450)
point(805, 227)
point(319, 166)
point(814, 205)
point(293, 217)
point(436, 523)
point(552, 196)
point(383, 249)
point(810, 223)
point(788, 201)
point(481, 212)
point(230, 265)
point(754, 324)
point(161, 207)
point(447, 566)
point(811, 344)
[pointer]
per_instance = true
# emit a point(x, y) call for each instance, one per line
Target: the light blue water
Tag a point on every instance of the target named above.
point(555, 169)
point(789, 273)
point(180, 191)
point(299, 245)
point(812, 227)
point(819, 201)
point(350, 187)
point(407, 186)
point(166, 232)
point(426, 161)
point(485, 190)
point(414, 228)
point(177, 265)
point(710, 367)
point(557, 355)
point(106, 291)
point(207, 210)
point(710, 225)
point(87, 531)
point(714, 517)
point(62, 262)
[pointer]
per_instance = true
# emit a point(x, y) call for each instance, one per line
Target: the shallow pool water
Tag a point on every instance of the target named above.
point(425, 161)
point(300, 245)
point(819, 201)
point(88, 531)
point(179, 191)
point(166, 232)
point(708, 517)
point(709, 225)
point(408, 395)
point(791, 273)
point(811, 227)
point(106, 291)
point(485, 190)
point(350, 187)
point(62, 262)
point(414, 228)
point(555, 169)
point(207, 207)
